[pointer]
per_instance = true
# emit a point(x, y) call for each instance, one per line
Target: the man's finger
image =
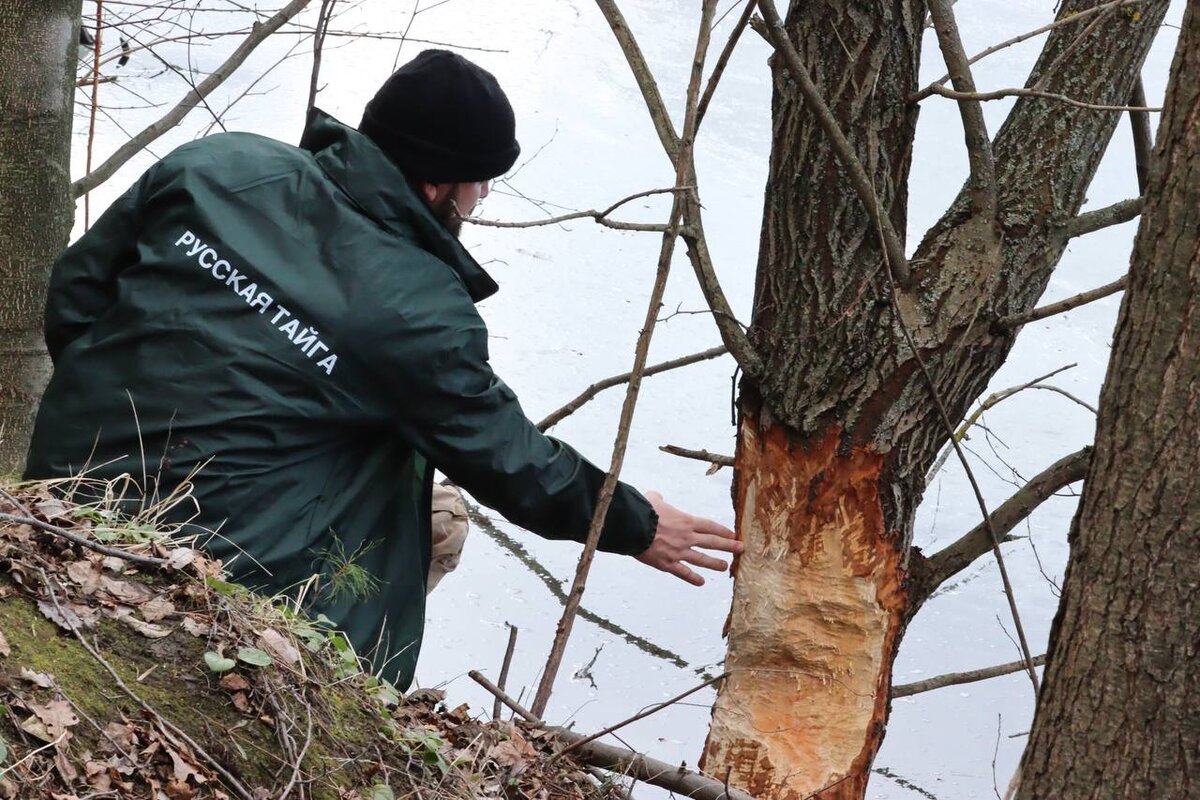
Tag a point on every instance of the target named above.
point(680, 571)
point(711, 526)
point(711, 542)
point(706, 561)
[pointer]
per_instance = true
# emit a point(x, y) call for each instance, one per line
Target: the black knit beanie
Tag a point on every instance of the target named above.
point(443, 119)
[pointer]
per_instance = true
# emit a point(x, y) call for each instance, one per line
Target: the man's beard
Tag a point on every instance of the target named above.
point(446, 213)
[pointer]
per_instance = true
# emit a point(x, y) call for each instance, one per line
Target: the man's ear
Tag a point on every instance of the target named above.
point(434, 193)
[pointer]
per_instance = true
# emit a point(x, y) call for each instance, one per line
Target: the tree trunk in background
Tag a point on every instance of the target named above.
point(1117, 716)
point(38, 53)
point(836, 436)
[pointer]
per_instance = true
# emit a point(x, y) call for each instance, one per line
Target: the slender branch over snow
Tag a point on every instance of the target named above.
point(958, 678)
point(125, 152)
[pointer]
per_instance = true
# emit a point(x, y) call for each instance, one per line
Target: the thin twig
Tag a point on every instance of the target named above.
point(319, 32)
point(957, 678)
point(299, 761)
point(232, 782)
point(857, 176)
point(503, 697)
point(193, 98)
point(95, 105)
point(1101, 218)
point(700, 455)
point(82, 541)
point(979, 144)
point(948, 426)
point(1071, 20)
point(623, 761)
point(504, 667)
point(928, 573)
point(654, 709)
point(1000, 94)
point(723, 60)
point(565, 624)
point(601, 217)
point(1049, 310)
point(587, 394)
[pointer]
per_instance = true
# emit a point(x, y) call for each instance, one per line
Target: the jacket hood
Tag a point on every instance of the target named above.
point(378, 187)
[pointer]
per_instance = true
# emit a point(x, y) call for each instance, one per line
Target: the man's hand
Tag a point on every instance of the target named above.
point(677, 537)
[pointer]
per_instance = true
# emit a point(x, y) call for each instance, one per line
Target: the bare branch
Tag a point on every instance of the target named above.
point(716, 459)
point(193, 98)
point(645, 79)
point(1101, 218)
point(979, 144)
point(82, 541)
point(957, 678)
point(841, 146)
point(625, 762)
point(587, 394)
point(990, 402)
point(319, 32)
point(599, 216)
point(1000, 94)
point(693, 232)
point(1070, 20)
point(723, 59)
point(1051, 309)
point(654, 709)
point(928, 573)
point(505, 665)
point(683, 175)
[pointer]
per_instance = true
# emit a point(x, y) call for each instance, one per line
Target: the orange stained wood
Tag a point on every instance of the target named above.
point(817, 611)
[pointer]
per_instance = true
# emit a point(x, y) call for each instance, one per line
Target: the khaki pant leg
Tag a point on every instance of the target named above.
point(450, 527)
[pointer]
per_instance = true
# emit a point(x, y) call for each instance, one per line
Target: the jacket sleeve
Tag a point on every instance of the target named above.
point(83, 279)
point(453, 408)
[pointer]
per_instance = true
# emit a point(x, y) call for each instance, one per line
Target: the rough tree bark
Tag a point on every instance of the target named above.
point(836, 436)
point(38, 44)
point(1117, 715)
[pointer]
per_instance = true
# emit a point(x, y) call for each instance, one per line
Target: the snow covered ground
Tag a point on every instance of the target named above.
point(572, 303)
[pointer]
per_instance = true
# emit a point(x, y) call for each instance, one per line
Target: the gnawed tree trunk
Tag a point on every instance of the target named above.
point(38, 46)
point(1117, 716)
point(838, 433)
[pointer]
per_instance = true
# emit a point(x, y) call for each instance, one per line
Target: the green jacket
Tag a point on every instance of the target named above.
point(293, 332)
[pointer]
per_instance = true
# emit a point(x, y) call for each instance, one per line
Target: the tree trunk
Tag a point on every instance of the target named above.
point(38, 53)
point(1117, 715)
point(836, 437)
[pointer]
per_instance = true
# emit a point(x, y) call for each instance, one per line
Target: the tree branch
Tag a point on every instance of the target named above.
point(928, 573)
point(1101, 218)
point(1071, 20)
point(979, 144)
point(1083, 298)
point(125, 152)
point(857, 176)
point(683, 176)
point(599, 216)
point(723, 60)
point(1000, 94)
point(957, 678)
point(587, 394)
point(693, 232)
point(716, 459)
point(624, 762)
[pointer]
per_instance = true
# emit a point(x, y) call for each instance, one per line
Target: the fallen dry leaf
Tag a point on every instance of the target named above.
point(71, 616)
point(37, 678)
point(241, 702)
point(181, 558)
point(5, 649)
point(126, 591)
point(57, 716)
point(53, 509)
point(513, 753)
point(86, 574)
point(195, 627)
point(279, 646)
point(157, 608)
point(234, 682)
